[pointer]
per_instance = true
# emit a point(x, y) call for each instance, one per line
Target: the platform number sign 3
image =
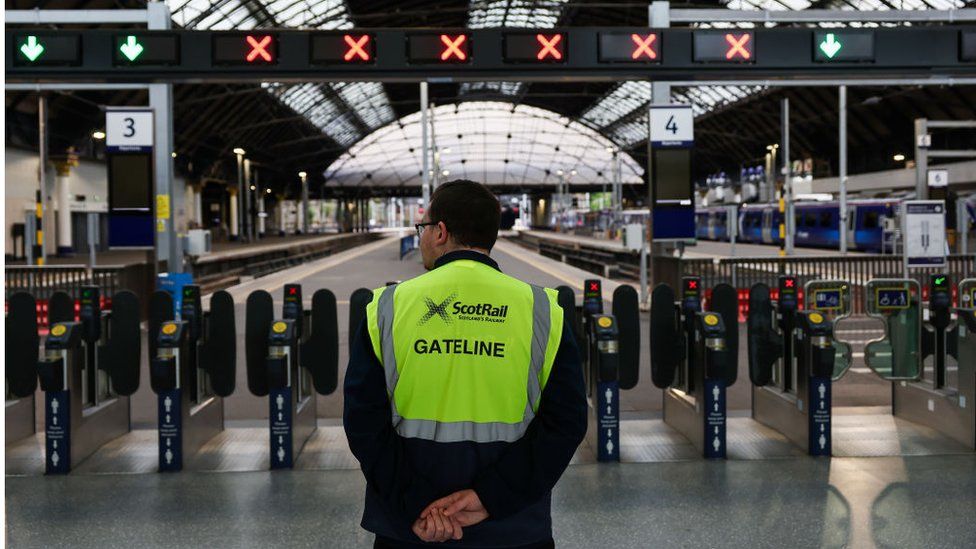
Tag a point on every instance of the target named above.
point(672, 126)
point(129, 129)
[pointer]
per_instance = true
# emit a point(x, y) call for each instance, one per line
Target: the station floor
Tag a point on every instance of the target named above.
point(900, 486)
point(924, 502)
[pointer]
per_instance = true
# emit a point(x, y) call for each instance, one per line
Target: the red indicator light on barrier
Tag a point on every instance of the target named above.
point(292, 291)
point(259, 47)
point(644, 46)
point(737, 46)
point(692, 284)
point(594, 286)
point(452, 47)
point(550, 46)
point(789, 282)
point(357, 47)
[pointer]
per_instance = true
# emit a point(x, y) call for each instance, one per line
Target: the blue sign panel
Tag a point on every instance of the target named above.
point(57, 432)
point(279, 415)
point(170, 430)
point(130, 230)
point(173, 283)
point(889, 298)
point(674, 223)
point(608, 421)
point(819, 416)
point(715, 419)
point(827, 300)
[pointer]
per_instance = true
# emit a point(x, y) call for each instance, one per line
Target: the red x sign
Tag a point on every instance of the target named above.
point(737, 46)
point(594, 286)
point(549, 48)
point(789, 282)
point(692, 284)
point(356, 47)
point(452, 47)
point(259, 48)
point(643, 46)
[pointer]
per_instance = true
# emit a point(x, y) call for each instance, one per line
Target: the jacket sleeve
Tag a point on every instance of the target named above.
point(367, 421)
point(529, 468)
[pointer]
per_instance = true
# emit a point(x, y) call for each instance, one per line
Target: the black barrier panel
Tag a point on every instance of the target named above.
point(626, 309)
point(725, 302)
point(160, 310)
point(357, 311)
point(218, 353)
point(320, 354)
point(60, 308)
point(765, 345)
point(567, 300)
point(122, 355)
point(667, 343)
point(22, 344)
point(259, 315)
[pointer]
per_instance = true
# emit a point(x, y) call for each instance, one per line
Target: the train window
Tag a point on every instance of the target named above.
point(826, 220)
point(871, 220)
point(809, 219)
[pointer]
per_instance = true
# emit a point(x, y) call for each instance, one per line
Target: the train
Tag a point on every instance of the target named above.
point(817, 224)
point(871, 222)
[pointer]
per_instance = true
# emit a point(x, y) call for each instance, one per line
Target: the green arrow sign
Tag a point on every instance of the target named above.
point(32, 49)
point(131, 49)
point(830, 46)
point(939, 280)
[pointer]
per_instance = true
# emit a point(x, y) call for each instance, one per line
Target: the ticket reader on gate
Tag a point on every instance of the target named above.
point(832, 299)
point(87, 370)
point(694, 359)
point(792, 361)
point(938, 401)
point(289, 360)
point(192, 369)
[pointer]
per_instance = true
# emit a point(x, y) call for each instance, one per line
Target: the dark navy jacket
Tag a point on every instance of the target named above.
point(513, 480)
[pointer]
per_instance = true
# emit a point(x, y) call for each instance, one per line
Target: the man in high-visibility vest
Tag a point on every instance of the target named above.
point(464, 395)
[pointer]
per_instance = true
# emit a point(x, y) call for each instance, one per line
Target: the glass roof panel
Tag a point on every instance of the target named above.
point(318, 102)
point(509, 13)
point(485, 141)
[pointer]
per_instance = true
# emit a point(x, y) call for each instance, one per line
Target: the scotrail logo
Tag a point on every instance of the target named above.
point(437, 309)
point(482, 312)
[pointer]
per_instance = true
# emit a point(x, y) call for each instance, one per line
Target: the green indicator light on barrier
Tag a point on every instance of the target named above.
point(131, 49)
point(830, 46)
point(940, 280)
point(32, 49)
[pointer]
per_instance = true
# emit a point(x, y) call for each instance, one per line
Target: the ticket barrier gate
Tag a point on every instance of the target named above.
point(289, 359)
point(940, 403)
point(193, 367)
point(610, 348)
point(89, 368)
point(792, 362)
point(694, 359)
point(22, 347)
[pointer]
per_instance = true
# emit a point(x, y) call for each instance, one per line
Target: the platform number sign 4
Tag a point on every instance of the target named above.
point(129, 130)
point(672, 126)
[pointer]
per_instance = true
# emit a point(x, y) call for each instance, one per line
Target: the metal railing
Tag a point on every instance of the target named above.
point(43, 281)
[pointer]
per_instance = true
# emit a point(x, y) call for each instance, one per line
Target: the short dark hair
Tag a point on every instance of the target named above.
point(469, 210)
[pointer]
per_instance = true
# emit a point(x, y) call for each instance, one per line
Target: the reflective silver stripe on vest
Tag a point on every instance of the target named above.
point(458, 431)
point(384, 317)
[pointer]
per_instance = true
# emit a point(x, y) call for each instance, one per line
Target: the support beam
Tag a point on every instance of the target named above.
point(842, 169)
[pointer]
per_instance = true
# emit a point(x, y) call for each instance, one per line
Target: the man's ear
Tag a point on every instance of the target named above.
point(442, 234)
